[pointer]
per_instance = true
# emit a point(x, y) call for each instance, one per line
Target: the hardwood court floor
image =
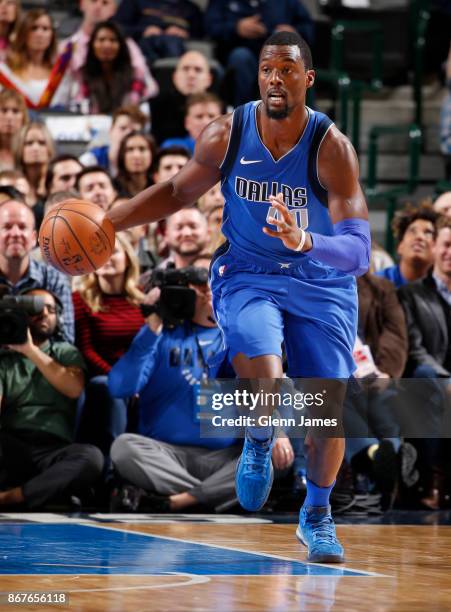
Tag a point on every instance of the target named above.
point(134, 566)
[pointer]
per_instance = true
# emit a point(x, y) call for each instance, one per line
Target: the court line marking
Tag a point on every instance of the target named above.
point(193, 579)
point(282, 558)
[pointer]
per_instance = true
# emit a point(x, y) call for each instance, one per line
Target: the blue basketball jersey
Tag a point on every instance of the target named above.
point(250, 175)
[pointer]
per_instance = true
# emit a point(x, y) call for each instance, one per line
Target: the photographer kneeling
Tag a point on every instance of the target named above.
point(167, 357)
point(41, 378)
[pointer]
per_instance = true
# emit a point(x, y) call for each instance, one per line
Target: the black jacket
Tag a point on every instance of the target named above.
point(427, 325)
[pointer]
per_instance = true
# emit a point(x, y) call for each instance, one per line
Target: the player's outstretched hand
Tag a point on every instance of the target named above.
point(287, 230)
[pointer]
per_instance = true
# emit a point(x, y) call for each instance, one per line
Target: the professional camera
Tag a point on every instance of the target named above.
point(177, 301)
point(14, 313)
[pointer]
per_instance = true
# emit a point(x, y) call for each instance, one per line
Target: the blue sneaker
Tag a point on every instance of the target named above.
point(254, 473)
point(316, 530)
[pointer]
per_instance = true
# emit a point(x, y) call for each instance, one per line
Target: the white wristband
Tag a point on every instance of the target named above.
point(302, 241)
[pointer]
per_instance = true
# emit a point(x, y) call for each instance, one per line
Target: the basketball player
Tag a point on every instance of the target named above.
point(297, 233)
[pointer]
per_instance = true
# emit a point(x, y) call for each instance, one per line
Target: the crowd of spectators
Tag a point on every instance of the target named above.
point(103, 394)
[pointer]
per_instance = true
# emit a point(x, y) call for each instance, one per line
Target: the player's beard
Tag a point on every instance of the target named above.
point(278, 113)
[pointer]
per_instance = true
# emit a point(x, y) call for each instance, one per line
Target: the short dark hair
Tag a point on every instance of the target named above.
point(91, 170)
point(285, 38)
point(203, 97)
point(408, 215)
point(173, 150)
point(13, 194)
point(51, 168)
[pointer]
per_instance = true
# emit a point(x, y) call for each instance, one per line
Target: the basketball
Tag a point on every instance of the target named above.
point(76, 237)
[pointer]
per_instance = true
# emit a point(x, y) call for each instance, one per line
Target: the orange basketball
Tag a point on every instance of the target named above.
point(76, 237)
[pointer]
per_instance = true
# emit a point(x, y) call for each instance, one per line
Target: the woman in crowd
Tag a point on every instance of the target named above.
point(13, 116)
point(107, 317)
point(136, 154)
point(107, 80)
point(33, 150)
point(9, 17)
point(30, 66)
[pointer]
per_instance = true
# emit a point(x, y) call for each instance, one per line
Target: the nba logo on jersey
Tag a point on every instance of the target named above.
point(221, 270)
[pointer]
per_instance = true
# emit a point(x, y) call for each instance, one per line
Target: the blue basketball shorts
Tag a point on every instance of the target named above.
point(312, 309)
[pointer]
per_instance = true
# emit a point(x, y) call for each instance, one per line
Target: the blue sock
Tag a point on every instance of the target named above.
point(261, 432)
point(317, 496)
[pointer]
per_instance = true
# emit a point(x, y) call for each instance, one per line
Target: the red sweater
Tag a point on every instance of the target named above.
point(103, 337)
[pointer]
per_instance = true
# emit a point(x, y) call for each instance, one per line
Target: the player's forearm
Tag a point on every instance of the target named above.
point(152, 204)
point(68, 381)
point(348, 250)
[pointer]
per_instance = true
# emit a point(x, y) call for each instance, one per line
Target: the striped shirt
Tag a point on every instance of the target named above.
point(104, 336)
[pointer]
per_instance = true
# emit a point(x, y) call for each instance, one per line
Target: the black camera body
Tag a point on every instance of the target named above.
point(177, 301)
point(14, 316)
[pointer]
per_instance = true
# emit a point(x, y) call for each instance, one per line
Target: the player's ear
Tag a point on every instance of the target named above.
point(310, 78)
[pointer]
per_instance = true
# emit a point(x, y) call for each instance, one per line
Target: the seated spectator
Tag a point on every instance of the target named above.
point(160, 27)
point(201, 109)
point(168, 456)
point(62, 174)
point(30, 66)
point(135, 159)
point(442, 205)
point(40, 381)
point(95, 184)
point(10, 14)
point(213, 198)
point(239, 29)
point(445, 121)
point(33, 150)
point(107, 80)
point(13, 116)
point(187, 237)
point(93, 12)
point(382, 330)
point(17, 270)
point(126, 119)
point(107, 317)
point(192, 75)
point(429, 346)
point(414, 230)
point(427, 306)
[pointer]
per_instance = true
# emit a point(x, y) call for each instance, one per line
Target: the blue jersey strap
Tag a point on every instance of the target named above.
point(348, 250)
point(234, 141)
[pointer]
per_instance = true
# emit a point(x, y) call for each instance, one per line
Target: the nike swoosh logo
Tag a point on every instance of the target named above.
point(250, 161)
point(205, 342)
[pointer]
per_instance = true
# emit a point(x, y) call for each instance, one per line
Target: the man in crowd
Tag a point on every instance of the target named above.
point(95, 184)
point(187, 236)
point(427, 306)
point(18, 271)
point(414, 229)
point(40, 382)
point(201, 109)
point(62, 174)
point(192, 75)
point(169, 456)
